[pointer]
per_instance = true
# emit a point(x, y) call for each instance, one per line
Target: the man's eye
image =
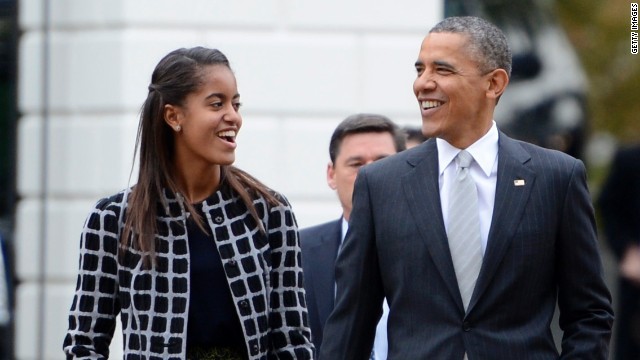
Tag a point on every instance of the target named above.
point(444, 71)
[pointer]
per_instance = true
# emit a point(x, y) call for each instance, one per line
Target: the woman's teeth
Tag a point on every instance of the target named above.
point(228, 135)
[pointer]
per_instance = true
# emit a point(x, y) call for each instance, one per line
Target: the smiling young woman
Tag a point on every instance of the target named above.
point(196, 256)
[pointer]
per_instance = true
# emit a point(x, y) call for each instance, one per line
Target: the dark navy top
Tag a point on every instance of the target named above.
point(213, 321)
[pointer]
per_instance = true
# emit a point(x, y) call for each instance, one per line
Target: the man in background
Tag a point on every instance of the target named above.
point(358, 140)
point(619, 204)
point(5, 300)
point(414, 135)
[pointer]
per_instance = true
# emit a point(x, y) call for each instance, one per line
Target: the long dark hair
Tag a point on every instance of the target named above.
point(177, 75)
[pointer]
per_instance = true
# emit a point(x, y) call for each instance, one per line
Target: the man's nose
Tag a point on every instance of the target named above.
point(425, 81)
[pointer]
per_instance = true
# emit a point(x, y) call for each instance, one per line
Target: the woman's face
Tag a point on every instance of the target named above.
point(209, 120)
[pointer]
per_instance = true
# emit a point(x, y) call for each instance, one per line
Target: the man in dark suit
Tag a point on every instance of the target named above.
point(358, 140)
point(619, 204)
point(533, 219)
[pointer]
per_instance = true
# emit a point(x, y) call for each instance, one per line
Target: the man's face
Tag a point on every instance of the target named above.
point(355, 151)
point(454, 96)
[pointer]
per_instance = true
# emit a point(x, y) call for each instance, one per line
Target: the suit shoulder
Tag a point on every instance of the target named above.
point(628, 156)
point(549, 158)
point(395, 163)
point(311, 234)
point(114, 202)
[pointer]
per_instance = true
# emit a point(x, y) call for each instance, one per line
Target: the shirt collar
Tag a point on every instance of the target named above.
point(484, 151)
point(345, 227)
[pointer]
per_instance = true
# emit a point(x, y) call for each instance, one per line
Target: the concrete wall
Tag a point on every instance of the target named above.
point(301, 65)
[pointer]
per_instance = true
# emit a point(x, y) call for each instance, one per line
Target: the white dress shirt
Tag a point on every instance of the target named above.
point(380, 344)
point(483, 170)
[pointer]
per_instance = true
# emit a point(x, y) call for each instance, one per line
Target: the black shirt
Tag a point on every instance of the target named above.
point(213, 321)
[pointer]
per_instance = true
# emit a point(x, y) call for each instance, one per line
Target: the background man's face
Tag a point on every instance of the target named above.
point(355, 151)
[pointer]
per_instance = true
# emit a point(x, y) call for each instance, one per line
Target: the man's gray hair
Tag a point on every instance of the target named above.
point(487, 43)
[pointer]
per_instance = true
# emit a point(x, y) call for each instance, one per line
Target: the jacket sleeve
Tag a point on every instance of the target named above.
point(349, 332)
point(586, 316)
point(288, 320)
point(95, 303)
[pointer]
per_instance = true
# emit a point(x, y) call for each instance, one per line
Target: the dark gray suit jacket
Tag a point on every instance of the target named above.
point(320, 246)
point(542, 247)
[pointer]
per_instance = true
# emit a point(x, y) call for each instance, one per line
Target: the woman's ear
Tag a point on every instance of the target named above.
point(498, 81)
point(171, 116)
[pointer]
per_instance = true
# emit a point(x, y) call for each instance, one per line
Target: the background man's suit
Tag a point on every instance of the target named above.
point(619, 204)
point(320, 246)
point(542, 243)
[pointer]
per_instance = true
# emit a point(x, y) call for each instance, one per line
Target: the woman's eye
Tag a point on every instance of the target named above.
point(237, 105)
point(216, 105)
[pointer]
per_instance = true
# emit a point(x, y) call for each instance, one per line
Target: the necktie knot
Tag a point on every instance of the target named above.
point(464, 159)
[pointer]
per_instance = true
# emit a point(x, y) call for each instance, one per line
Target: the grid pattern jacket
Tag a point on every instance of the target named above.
point(263, 271)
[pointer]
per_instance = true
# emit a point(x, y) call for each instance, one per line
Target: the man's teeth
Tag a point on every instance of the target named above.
point(428, 104)
point(227, 134)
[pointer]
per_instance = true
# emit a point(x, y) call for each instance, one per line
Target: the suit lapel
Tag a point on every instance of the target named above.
point(324, 280)
point(513, 187)
point(423, 196)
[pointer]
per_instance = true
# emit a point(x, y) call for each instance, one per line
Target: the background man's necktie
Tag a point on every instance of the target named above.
point(464, 228)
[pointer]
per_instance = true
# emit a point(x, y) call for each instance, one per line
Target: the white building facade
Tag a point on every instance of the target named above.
point(84, 66)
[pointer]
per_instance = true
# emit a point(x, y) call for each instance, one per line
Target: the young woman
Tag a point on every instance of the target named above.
point(200, 259)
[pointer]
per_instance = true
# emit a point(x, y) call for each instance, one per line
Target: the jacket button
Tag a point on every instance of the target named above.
point(244, 304)
point(232, 262)
point(466, 326)
point(254, 348)
point(218, 220)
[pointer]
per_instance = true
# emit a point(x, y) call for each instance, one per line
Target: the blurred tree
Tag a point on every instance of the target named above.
point(601, 33)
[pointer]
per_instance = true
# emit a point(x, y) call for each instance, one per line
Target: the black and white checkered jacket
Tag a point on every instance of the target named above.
point(264, 274)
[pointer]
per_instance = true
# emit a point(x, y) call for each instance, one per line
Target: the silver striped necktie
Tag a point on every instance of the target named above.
point(464, 228)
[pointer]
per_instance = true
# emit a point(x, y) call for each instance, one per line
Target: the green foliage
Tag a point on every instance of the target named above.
point(601, 33)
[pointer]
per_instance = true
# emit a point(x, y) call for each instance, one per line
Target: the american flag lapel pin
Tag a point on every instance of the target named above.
point(518, 182)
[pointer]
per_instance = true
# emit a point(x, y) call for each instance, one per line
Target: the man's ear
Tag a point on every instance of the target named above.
point(171, 115)
point(331, 176)
point(497, 83)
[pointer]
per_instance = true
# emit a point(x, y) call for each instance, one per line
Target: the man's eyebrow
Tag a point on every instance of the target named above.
point(444, 64)
point(354, 158)
point(382, 156)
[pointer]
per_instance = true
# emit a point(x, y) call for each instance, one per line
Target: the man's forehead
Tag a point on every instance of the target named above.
point(441, 47)
point(361, 143)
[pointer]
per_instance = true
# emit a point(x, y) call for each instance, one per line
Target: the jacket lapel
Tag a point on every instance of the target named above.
point(423, 196)
point(324, 281)
point(513, 188)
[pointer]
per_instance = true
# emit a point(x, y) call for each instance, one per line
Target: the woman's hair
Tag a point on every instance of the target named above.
point(178, 74)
